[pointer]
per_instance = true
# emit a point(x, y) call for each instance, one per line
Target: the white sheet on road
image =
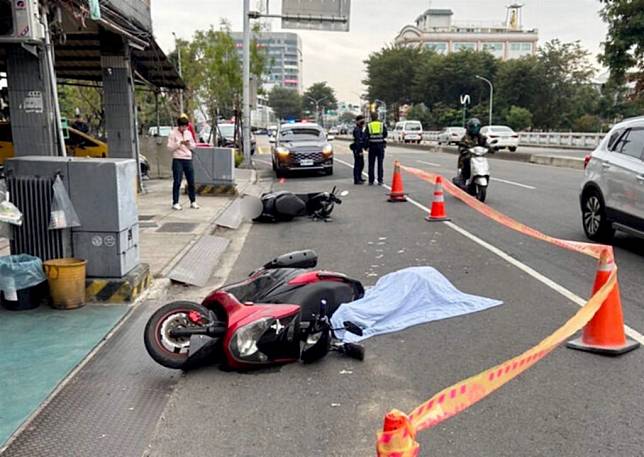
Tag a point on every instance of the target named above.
point(404, 298)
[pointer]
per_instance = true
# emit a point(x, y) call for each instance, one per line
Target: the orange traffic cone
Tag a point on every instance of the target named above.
point(604, 334)
point(397, 193)
point(397, 437)
point(438, 212)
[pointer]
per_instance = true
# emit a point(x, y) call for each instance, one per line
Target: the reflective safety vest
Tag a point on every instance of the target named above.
point(375, 129)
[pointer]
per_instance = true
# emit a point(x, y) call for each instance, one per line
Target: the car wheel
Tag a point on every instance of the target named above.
point(512, 148)
point(439, 143)
point(594, 219)
point(279, 173)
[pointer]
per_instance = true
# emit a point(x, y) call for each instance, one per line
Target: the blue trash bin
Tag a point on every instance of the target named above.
point(23, 282)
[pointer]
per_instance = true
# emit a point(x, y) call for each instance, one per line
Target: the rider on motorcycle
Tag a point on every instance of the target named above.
point(473, 137)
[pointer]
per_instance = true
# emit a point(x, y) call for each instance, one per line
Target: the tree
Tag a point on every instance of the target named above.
point(624, 46)
point(212, 71)
point(88, 100)
point(518, 118)
point(587, 123)
point(286, 103)
point(391, 72)
point(321, 92)
point(445, 78)
point(347, 118)
point(419, 112)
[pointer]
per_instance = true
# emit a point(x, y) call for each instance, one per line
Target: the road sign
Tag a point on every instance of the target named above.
point(465, 99)
point(326, 15)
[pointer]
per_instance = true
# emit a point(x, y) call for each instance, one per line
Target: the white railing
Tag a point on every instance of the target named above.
point(545, 139)
point(565, 139)
point(569, 139)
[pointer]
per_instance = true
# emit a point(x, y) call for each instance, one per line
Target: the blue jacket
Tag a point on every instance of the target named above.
point(359, 140)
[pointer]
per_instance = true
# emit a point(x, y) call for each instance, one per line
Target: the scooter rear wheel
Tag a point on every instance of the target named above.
point(169, 351)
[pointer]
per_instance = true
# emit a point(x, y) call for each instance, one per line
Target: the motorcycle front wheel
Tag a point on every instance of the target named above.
point(481, 193)
point(165, 349)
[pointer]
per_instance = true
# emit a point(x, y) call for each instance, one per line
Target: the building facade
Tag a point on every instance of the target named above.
point(284, 52)
point(436, 30)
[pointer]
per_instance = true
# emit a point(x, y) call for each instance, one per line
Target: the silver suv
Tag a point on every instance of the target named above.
point(612, 193)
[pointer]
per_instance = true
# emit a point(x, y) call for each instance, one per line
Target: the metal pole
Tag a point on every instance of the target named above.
point(491, 95)
point(52, 78)
point(246, 91)
point(180, 72)
point(158, 135)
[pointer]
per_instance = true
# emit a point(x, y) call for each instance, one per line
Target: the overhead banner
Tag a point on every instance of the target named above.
point(323, 15)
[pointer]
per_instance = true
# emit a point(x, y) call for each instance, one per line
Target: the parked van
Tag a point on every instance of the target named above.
point(408, 132)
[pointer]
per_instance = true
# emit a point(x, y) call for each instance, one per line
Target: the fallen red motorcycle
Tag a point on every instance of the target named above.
point(280, 314)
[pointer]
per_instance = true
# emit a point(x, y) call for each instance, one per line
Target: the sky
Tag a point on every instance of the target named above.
point(337, 57)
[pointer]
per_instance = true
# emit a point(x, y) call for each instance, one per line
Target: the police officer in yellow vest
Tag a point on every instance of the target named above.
point(375, 138)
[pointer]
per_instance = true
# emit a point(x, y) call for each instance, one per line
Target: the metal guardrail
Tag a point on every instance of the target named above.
point(545, 139)
point(568, 139)
point(565, 139)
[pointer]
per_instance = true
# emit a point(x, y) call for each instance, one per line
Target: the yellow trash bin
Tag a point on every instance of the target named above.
point(66, 279)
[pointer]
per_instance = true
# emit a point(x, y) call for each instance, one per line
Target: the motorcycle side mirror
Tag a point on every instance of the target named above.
point(352, 328)
point(344, 193)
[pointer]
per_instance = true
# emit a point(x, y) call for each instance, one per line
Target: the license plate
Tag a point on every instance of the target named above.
point(412, 137)
point(306, 162)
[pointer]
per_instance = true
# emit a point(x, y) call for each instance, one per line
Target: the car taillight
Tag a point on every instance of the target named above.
point(586, 160)
point(515, 136)
point(493, 136)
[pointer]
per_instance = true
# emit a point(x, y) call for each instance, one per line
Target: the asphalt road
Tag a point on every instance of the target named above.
point(570, 404)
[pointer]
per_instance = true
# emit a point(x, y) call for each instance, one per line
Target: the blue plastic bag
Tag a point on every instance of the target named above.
point(19, 272)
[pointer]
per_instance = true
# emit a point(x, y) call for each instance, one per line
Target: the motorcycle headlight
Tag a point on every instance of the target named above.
point(282, 151)
point(244, 341)
point(327, 150)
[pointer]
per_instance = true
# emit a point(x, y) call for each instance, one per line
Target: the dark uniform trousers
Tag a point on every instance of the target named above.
point(376, 154)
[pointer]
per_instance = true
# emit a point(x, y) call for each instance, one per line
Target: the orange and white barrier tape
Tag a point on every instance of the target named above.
point(460, 396)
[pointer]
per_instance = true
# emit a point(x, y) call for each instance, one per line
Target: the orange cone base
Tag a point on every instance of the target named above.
point(437, 219)
point(603, 350)
point(397, 198)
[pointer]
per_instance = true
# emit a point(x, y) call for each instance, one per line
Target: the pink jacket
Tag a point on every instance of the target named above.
point(178, 150)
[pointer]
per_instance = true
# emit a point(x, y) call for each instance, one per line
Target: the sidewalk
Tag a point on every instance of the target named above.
point(38, 352)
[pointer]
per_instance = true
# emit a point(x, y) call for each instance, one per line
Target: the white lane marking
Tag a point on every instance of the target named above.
point(513, 183)
point(262, 161)
point(637, 336)
point(431, 164)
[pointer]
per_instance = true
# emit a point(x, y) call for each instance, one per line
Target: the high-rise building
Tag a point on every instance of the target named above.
point(284, 52)
point(436, 30)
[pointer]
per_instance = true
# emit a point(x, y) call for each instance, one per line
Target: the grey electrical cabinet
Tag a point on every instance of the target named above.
point(108, 254)
point(103, 193)
point(214, 165)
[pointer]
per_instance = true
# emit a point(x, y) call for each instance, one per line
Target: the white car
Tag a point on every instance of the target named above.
point(408, 132)
point(505, 137)
point(164, 130)
point(612, 193)
point(451, 135)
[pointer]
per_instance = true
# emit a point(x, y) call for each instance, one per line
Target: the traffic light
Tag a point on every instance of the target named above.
point(6, 18)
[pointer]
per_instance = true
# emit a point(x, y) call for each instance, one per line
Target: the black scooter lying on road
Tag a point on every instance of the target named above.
point(285, 206)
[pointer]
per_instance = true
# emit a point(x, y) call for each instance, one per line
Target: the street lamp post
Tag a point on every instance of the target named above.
point(317, 106)
point(180, 73)
point(491, 95)
point(246, 86)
